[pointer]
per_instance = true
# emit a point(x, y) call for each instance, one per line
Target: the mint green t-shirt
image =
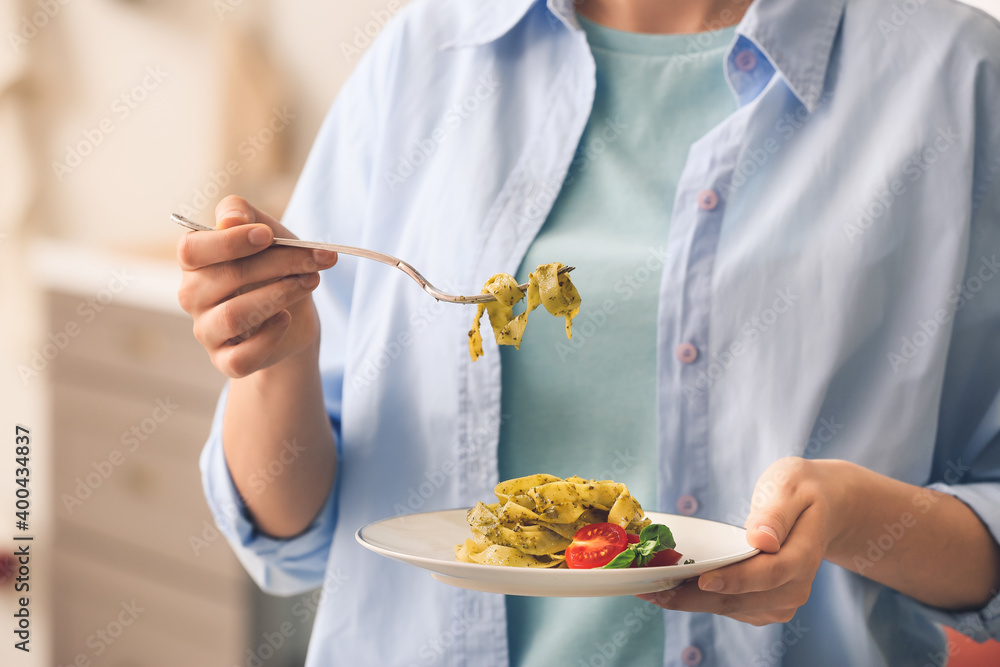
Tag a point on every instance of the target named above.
point(587, 406)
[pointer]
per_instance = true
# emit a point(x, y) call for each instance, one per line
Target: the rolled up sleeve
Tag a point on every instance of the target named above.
point(984, 623)
point(279, 566)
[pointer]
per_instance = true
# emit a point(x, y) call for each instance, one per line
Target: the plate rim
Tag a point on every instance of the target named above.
point(559, 572)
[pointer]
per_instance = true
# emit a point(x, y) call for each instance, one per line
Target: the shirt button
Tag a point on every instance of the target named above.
point(707, 200)
point(691, 656)
point(688, 505)
point(687, 352)
point(746, 60)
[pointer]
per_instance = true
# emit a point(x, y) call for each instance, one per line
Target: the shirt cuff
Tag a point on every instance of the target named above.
point(279, 566)
point(982, 624)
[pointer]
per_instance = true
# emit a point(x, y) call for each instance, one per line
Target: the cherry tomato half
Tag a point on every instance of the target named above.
point(632, 539)
point(595, 545)
point(665, 557)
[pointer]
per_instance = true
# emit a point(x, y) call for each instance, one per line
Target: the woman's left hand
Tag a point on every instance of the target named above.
point(792, 523)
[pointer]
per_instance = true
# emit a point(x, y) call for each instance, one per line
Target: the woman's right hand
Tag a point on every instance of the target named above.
point(251, 303)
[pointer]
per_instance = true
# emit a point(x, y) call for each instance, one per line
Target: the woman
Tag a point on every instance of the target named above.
point(784, 218)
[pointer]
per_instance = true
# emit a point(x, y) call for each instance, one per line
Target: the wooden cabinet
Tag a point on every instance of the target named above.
point(133, 395)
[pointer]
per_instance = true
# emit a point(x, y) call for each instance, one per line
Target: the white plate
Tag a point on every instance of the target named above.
point(428, 541)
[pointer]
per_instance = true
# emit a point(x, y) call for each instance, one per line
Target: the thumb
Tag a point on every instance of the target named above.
point(766, 530)
point(234, 210)
point(775, 506)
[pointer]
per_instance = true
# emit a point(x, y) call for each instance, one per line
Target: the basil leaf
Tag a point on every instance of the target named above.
point(622, 560)
point(648, 548)
point(660, 535)
point(653, 539)
point(642, 559)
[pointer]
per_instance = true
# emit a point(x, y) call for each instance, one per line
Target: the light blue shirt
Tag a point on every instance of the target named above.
point(829, 289)
point(653, 98)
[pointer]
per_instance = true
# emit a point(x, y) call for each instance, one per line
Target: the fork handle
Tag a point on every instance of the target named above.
point(368, 254)
point(385, 259)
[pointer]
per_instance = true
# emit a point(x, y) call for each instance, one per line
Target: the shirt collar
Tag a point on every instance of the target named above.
point(796, 36)
point(495, 18)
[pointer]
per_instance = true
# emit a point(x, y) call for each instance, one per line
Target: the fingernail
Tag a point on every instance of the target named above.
point(259, 236)
point(234, 214)
point(713, 585)
point(324, 256)
point(770, 531)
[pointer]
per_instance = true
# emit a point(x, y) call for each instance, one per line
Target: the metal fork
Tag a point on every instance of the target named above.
point(369, 254)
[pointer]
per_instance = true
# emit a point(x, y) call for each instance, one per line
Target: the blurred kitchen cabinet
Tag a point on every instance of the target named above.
point(142, 578)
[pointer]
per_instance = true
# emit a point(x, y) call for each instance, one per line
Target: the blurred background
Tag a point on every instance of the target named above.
point(113, 114)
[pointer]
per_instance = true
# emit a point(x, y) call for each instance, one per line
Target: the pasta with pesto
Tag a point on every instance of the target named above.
point(536, 517)
point(546, 286)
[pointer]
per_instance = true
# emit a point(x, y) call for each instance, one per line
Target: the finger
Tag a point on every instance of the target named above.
point(250, 355)
point(776, 503)
point(196, 250)
point(691, 598)
point(798, 560)
point(211, 285)
point(244, 313)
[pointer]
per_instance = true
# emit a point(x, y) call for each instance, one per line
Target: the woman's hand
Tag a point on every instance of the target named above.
point(251, 304)
point(804, 511)
point(791, 522)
